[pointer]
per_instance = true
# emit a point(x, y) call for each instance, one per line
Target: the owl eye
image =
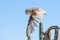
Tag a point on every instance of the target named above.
point(26, 10)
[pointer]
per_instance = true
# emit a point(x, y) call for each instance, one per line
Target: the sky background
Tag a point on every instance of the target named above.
point(13, 20)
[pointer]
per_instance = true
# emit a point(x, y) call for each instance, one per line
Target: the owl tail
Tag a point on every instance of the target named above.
point(29, 30)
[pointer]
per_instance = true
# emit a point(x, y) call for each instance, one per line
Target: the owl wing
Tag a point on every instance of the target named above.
point(32, 22)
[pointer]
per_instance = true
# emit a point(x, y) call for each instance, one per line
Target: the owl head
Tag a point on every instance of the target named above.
point(35, 11)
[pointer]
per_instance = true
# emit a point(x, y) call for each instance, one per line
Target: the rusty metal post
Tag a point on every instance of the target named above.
point(29, 37)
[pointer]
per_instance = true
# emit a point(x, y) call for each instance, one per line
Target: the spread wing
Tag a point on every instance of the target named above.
point(32, 22)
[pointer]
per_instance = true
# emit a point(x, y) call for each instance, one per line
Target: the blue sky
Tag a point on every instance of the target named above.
point(13, 20)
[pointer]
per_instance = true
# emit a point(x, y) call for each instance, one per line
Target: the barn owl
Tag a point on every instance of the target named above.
point(34, 15)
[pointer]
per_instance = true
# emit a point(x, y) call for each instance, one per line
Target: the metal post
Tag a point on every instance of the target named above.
point(40, 30)
point(56, 34)
point(29, 37)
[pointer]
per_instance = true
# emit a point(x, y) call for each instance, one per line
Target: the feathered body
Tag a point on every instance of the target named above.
point(34, 15)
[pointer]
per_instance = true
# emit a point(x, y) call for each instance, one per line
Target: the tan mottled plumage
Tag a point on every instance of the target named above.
point(34, 15)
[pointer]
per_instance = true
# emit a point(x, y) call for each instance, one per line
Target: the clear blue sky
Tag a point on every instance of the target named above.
point(13, 20)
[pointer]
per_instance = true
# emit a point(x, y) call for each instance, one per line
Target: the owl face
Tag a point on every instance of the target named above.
point(28, 11)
